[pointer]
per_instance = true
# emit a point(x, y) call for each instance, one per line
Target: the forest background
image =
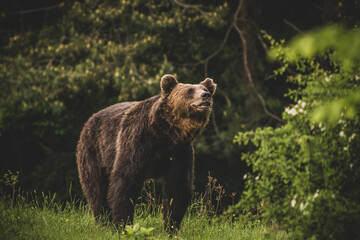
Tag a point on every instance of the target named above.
point(62, 61)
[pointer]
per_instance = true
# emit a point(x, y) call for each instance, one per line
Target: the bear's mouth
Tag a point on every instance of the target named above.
point(202, 105)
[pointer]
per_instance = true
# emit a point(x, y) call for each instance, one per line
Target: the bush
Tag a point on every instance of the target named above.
point(305, 173)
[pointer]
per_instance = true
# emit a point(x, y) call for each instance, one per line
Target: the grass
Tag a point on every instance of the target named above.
point(43, 218)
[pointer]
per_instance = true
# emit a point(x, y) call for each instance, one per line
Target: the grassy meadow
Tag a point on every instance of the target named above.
point(43, 218)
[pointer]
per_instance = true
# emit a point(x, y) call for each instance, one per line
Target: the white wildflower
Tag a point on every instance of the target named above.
point(341, 134)
point(293, 202)
point(322, 128)
point(316, 194)
point(351, 165)
point(245, 176)
point(352, 137)
point(291, 111)
point(303, 206)
point(303, 104)
point(257, 178)
point(328, 78)
point(297, 108)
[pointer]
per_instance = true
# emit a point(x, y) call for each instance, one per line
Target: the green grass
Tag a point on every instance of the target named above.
point(45, 219)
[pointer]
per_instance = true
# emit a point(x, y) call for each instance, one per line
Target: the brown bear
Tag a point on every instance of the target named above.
point(123, 145)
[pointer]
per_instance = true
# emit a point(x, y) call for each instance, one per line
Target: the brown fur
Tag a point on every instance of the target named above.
point(123, 145)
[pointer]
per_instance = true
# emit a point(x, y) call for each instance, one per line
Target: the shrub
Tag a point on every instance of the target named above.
point(305, 173)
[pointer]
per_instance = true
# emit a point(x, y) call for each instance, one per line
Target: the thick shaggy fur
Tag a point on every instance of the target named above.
point(123, 145)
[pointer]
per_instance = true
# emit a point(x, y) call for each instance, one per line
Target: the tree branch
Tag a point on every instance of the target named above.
point(245, 59)
point(248, 74)
point(246, 65)
point(222, 45)
point(293, 26)
point(35, 10)
point(184, 5)
point(214, 123)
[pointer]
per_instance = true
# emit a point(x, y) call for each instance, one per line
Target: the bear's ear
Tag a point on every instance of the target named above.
point(168, 83)
point(210, 85)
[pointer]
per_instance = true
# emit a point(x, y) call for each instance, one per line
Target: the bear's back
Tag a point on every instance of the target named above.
point(102, 128)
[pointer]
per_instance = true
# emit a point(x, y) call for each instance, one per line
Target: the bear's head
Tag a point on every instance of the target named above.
point(188, 101)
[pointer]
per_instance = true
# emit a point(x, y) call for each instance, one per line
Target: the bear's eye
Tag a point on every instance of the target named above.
point(190, 91)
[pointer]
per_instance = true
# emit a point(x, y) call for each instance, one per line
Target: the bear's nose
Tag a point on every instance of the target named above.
point(206, 95)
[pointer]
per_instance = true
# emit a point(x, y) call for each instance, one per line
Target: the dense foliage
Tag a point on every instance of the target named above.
point(96, 53)
point(118, 50)
point(305, 173)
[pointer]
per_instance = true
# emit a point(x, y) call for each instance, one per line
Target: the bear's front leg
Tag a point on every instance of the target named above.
point(178, 188)
point(123, 191)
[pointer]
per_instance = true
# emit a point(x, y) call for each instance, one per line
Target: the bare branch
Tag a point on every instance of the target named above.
point(245, 60)
point(184, 5)
point(35, 10)
point(246, 65)
point(263, 44)
point(236, 15)
point(248, 74)
point(214, 123)
point(293, 26)
point(222, 45)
